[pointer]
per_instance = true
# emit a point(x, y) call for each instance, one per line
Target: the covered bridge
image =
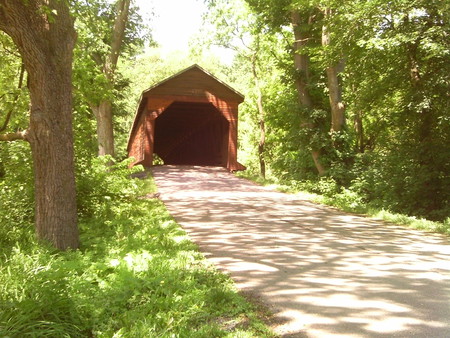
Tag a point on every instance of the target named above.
point(188, 119)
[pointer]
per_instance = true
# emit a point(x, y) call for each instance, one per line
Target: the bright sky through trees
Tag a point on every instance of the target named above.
point(174, 22)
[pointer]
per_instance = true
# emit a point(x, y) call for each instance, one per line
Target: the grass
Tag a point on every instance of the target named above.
point(137, 274)
point(349, 201)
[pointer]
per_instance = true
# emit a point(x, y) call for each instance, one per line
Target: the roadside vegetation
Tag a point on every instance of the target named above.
point(137, 274)
point(345, 99)
point(327, 192)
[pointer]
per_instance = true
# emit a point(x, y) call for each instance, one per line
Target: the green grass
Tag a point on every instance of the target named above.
point(349, 201)
point(137, 274)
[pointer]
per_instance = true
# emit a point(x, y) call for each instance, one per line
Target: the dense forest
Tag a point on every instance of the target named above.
point(345, 99)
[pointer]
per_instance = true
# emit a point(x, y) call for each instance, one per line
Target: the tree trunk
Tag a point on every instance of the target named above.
point(334, 88)
point(301, 64)
point(359, 129)
point(301, 61)
point(262, 148)
point(316, 158)
point(262, 122)
point(120, 23)
point(45, 40)
point(103, 111)
point(56, 216)
point(336, 104)
point(105, 130)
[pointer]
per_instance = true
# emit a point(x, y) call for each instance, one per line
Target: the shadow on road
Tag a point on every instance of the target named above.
point(323, 272)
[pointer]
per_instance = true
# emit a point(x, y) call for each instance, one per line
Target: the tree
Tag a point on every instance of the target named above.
point(307, 24)
point(107, 33)
point(44, 35)
point(301, 25)
point(333, 68)
point(397, 87)
point(236, 28)
point(103, 110)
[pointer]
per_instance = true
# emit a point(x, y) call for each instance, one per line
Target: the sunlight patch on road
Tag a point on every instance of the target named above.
point(395, 324)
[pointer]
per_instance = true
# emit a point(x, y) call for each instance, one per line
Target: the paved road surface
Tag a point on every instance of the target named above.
point(324, 273)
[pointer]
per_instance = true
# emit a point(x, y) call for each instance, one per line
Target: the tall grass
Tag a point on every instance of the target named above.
point(137, 274)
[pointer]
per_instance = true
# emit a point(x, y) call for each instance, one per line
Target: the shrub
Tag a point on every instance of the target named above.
point(102, 183)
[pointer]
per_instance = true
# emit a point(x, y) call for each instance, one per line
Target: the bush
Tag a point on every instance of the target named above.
point(347, 200)
point(102, 183)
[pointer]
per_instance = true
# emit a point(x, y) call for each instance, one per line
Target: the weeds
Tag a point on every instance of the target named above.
point(137, 274)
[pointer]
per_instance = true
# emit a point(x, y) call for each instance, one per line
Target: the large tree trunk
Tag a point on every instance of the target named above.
point(301, 64)
point(301, 61)
point(334, 88)
point(46, 43)
point(103, 111)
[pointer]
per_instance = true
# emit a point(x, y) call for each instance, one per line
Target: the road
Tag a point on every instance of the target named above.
point(322, 272)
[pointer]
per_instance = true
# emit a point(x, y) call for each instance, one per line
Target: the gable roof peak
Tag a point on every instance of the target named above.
point(194, 66)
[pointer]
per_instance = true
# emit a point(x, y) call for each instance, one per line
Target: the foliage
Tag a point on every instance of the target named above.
point(100, 188)
point(395, 86)
point(136, 275)
point(95, 19)
point(13, 92)
point(397, 65)
point(94, 81)
point(16, 195)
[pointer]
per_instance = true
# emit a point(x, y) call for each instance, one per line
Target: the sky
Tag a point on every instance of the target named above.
point(174, 22)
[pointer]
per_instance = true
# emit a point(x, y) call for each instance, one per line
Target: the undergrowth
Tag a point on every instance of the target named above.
point(137, 274)
point(326, 191)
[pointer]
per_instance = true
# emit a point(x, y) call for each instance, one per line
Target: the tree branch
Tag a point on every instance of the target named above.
point(120, 23)
point(16, 98)
point(5, 123)
point(20, 135)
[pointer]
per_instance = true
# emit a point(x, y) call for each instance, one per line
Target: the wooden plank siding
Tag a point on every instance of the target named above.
point(191, 86)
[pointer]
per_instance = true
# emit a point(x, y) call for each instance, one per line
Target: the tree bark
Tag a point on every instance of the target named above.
point(301, 64)
point(301, 61)
point(336, 104)
point(44, 34)
point(359, 129)
point(120, 23)
point(103, 111)
point(105, 130)
point(316, 158)
point(334, 88)
point(262, 122)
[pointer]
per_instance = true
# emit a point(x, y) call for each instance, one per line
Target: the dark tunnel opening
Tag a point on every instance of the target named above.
point(192, 133)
